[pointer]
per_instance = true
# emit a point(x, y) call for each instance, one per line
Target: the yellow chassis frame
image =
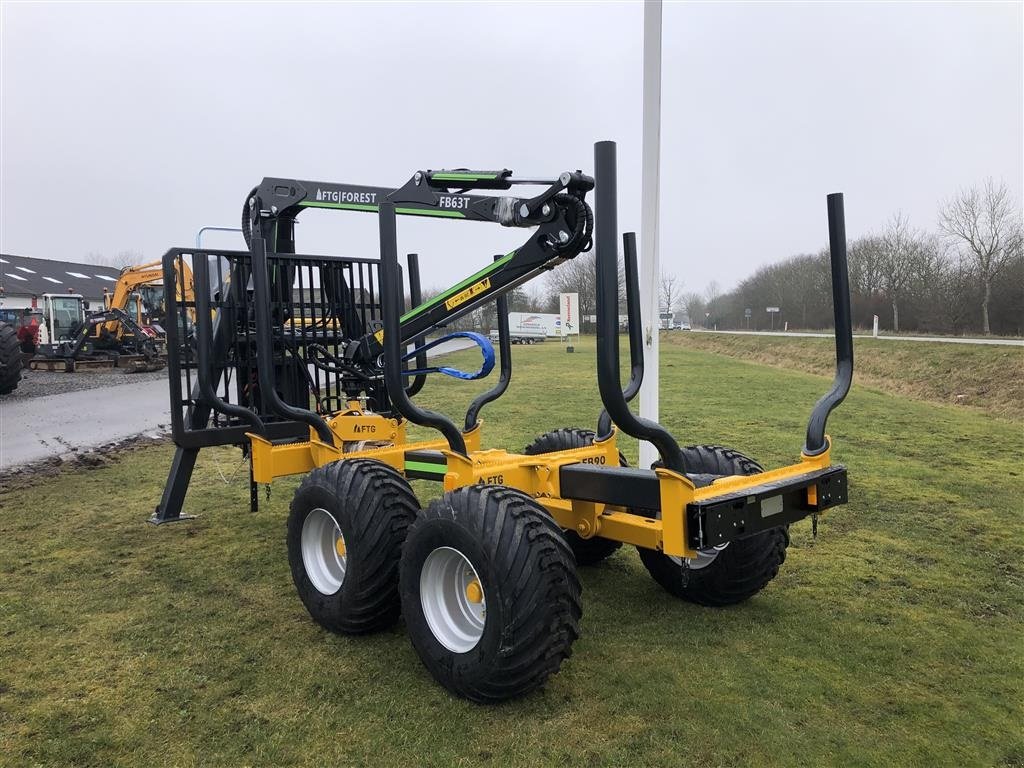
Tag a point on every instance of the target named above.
point(537, 476)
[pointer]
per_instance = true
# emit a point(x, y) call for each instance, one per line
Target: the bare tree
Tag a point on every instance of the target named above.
point(575, 276)
point(129, 258)
point(900, 261)
point(123, 259)
point(671, 287)
point(518, 300)
point(986, 224)
point(693, 305)
point(712, 292)
point(866, 256)
point(535, 297)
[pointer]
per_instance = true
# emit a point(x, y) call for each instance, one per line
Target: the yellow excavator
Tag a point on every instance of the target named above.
point(140, 293)
point(127, 332)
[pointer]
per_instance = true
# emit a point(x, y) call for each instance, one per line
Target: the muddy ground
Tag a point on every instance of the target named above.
point(24, 475)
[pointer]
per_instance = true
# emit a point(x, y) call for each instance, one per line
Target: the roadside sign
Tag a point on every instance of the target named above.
point(771, 309)
point(569, 313)
point(746, 312)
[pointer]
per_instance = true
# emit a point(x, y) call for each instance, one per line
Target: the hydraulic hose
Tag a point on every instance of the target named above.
point(247, 219)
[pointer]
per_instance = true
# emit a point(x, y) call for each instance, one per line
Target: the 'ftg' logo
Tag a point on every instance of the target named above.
point(342, 196)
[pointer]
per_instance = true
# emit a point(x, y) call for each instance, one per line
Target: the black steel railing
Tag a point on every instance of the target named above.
point(221, 367)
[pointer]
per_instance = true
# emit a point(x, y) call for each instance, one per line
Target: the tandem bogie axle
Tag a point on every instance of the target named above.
point(305, 361)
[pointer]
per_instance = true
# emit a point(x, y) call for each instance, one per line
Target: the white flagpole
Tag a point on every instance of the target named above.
point(650, 202)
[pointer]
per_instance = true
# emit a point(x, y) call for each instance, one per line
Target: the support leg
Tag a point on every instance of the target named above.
point(254, 490)
point(169, 509)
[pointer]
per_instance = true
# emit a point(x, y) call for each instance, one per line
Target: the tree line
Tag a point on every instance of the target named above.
point(965, 277)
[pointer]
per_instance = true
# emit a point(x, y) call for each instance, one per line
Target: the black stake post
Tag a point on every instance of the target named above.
point(265, 349)
point(635, 330)
point(505, 348)
point(844, 329)
point(391, 303)
point(204, 345)
point(416, 298)
point(204, 369)
point(172, 500)
point(605, 244)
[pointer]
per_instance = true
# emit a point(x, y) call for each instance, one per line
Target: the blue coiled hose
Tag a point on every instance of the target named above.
point(486, 349)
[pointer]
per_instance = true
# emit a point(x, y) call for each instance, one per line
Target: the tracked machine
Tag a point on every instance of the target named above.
point(64, 336)
point(313, 364)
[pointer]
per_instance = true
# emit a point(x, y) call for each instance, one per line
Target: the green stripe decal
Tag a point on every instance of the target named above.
point(366, 207)
point(430, 212)
point(456, 288)
point(463, 176)
point(419, 466)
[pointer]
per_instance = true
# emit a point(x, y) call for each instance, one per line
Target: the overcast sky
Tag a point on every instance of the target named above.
point(129, 126)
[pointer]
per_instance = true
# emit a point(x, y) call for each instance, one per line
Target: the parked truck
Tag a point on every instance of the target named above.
point(533, 327)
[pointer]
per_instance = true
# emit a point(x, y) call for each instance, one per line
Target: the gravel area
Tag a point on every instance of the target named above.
point(42, 383)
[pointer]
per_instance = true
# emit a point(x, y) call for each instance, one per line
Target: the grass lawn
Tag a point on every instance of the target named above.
point(986, 378)
point(894, 638)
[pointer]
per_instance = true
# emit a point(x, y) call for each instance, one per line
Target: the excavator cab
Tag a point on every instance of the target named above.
point(63, 314)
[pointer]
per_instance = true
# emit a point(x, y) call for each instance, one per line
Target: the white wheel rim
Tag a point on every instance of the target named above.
point(324, 555)
point(453, 599)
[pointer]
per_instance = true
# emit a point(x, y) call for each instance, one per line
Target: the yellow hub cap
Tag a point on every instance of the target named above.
point(339, 547)
point(474, 592)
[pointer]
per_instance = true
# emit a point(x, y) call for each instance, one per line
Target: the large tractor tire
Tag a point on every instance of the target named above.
point(490, 595)
point(10, 359)
point(345, 532)
point(587, 551)
point(737, 571)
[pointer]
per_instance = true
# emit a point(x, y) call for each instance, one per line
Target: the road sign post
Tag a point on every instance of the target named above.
point(773, 311)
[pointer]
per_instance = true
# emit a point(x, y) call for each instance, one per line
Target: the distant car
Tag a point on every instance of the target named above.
point(685, 327)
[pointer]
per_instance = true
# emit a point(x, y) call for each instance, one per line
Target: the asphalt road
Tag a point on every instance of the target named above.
point(938, 339)
point(52, 425)
point(49, 425)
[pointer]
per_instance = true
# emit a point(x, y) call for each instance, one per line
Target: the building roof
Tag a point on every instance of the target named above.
point(25, 276)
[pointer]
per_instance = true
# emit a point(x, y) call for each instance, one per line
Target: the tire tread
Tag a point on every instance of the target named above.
point(379, 506)
point(541, 592)
point(10, 359)
point(742, 569)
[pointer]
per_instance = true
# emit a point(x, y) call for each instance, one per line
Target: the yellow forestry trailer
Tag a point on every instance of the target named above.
point(305, 361)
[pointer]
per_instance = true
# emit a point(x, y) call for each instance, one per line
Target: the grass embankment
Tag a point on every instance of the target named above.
point(892, 639)
point(988, 378)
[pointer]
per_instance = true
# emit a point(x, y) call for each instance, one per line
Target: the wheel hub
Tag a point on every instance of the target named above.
point(474, 592)
point(453, 599)
point(324, 555)
point(704, 558)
